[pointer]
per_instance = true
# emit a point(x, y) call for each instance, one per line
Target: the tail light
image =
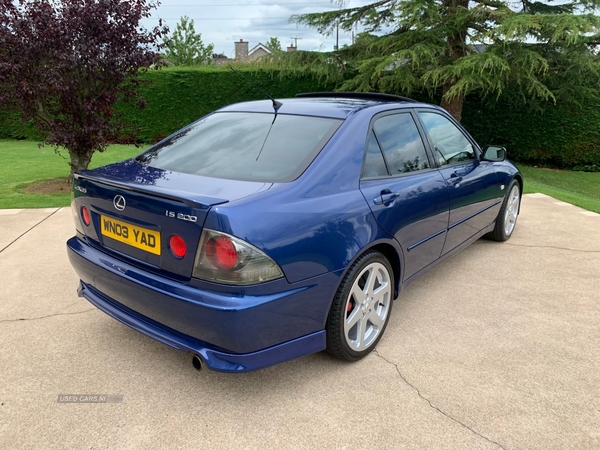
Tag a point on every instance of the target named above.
point(222, 258)
point(222, 253)
point(177, 246)
point(85, 215)
point(76, 218)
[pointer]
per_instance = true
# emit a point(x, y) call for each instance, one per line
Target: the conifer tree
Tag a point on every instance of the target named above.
point(545, 50)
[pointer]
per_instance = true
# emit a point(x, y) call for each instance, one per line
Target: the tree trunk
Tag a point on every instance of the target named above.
point(457, 48)
point(80, 160)
point(454, 106)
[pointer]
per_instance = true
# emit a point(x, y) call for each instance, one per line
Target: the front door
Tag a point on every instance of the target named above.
point(472, 184)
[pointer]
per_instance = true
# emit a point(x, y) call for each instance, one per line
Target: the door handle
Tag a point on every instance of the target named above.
point(386, 198)
point(453, 180)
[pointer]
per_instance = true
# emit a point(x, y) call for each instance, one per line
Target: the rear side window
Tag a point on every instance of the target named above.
point(244, 146)
point(374, 165)
point(401, 143)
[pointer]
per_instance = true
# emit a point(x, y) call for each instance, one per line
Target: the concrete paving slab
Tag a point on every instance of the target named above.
point(37, 279)
point(15, 222)
point(497, 348)
point(516, 357)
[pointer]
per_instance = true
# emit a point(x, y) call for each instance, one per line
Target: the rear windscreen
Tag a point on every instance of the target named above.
point(244, 146)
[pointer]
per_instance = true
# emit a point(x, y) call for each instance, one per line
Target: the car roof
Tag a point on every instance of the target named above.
point(334, 105)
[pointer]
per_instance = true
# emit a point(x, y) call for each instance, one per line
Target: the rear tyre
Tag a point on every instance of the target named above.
point(507, 217)
point(361, 308)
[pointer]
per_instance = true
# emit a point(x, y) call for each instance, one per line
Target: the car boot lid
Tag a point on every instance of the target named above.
point(194, 190)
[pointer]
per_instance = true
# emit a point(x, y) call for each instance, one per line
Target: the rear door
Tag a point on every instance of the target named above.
point(473, 187)
point(407, 195)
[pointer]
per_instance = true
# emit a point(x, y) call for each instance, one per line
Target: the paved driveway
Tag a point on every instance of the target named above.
point(497, 348)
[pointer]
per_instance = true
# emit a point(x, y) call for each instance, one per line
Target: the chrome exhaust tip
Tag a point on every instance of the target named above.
point(197, 363)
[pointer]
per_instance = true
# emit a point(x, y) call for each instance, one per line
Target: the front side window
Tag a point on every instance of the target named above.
point(401, 143)
point(244, 146)
point(449, 143)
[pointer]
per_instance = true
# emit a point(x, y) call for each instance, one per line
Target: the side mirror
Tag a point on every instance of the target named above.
point(493, 153)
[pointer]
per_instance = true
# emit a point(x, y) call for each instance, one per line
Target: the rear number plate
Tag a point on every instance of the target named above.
point(137, 237)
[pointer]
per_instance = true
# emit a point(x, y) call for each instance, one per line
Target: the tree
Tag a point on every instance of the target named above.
point(65, 63)
point(185, 46)
point(544, 51)
point(274, 45)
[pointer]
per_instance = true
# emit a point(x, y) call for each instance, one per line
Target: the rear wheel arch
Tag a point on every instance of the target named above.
point(391, 254)
point(361, 308)
point(393, 258)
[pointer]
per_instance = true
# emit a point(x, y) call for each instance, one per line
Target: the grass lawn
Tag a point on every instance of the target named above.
point(23, 164)
point(579, 188)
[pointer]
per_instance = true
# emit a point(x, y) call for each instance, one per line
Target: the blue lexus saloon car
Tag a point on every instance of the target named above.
point(269, 230)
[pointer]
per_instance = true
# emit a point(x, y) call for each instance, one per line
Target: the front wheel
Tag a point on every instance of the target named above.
point(361, 308)
point(507, 217)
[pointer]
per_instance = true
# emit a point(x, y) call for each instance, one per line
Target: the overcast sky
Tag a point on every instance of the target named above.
point(222, 22)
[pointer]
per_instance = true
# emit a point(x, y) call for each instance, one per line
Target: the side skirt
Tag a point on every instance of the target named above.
point(448, 255)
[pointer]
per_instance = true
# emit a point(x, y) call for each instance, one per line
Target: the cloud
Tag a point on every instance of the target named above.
point(222, 22)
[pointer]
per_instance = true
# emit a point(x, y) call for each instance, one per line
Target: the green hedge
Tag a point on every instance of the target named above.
point(11, 127)
point(178, 96)
point(559, 137)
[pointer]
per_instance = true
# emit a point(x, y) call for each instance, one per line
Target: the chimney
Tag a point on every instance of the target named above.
point(241, 50)
point(291, 48)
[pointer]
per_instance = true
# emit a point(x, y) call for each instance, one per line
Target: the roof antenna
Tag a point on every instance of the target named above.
point(276, 104)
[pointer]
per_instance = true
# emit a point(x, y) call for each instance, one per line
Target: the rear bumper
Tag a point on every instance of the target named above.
point(214, 359)
point(231, 332)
